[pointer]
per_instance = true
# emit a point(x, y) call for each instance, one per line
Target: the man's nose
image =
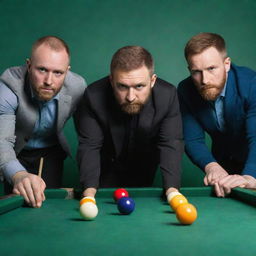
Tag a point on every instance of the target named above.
point(130, 95)
point(205, 78)
point(48, 79)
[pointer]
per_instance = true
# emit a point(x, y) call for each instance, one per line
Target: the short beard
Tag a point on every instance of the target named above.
point(132, 108)
point(211, 92)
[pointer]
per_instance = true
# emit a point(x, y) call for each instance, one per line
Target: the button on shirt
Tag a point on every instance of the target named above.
point(44, 133)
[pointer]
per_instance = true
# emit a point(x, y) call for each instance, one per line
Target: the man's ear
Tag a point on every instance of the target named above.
point(227, 63)
point(28, 63)
point(153, 80)
point(111, 80)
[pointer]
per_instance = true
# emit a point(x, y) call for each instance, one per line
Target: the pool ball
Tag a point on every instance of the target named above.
point(178, 200)
point(87, 199)
point(172, 195)
point(186, 214)
point(120, 192)
point(89, 210)
point(126, 205)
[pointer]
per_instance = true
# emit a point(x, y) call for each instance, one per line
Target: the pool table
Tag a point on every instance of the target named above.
point(225, 226)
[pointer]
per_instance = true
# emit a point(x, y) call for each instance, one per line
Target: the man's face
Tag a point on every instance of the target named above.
point(209, 72)
point(47, 69)
point(132, 88)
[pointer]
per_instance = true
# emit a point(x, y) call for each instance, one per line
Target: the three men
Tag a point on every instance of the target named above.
point(35, 102)
point(219, 98)
point(129, 124)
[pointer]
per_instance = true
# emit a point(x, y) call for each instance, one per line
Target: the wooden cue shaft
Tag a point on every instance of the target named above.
point(41, 167)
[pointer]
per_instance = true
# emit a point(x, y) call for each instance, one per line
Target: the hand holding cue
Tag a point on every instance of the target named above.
point(40, 167)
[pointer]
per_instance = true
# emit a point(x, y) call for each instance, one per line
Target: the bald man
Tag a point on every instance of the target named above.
point(36, 100)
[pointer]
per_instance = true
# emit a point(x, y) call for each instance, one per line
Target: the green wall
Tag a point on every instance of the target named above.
point(95, 29)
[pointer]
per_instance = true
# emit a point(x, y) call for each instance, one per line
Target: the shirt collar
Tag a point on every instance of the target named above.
point(223, 92)
point(221, 96)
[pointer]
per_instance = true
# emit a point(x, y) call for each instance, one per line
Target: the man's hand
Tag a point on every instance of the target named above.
point(224, 186)
point(90, 192)
point(30, 186)
point(214, 172)
point(251, 182)
point(169, 190)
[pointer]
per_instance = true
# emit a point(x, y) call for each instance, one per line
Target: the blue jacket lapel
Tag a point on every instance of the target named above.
point(64, 105)
point(232, 104)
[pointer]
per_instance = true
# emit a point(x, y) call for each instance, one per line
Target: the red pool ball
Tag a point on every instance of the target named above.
point(120, 192)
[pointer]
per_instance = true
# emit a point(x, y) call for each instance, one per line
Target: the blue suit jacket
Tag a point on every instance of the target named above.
point(238, 142)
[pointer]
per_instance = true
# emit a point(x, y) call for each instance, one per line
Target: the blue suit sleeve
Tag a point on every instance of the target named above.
point(250, 165)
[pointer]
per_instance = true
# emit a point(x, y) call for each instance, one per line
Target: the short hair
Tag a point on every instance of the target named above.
point(129, 58)
point(200, 42)
point(53, 42)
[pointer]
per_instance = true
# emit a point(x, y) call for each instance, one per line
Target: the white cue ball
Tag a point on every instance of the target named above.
point(172, 195)
point(89, 211)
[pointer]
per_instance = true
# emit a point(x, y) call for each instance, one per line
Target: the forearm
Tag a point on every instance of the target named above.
point(8, 160)
point(250, 164)
point(199, 153)
point(171, 146)
point(170, 164)
point(90, 192)
point(210, 166)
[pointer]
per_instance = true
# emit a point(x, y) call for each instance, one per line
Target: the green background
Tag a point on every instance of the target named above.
point(94, 30)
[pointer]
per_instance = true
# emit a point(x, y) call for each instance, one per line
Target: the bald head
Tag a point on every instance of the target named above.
point(53, 42)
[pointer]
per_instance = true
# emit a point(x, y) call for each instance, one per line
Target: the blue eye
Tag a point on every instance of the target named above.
point(58, 73)
point(139, 86)
point(42, 70)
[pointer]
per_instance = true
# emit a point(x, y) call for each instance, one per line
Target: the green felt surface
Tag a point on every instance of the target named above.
point(224, 227)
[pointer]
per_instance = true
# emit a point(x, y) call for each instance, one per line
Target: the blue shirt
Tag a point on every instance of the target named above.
point(44, 133)
point(218, 106)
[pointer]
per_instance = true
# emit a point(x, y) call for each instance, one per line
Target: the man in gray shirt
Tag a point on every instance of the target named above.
point(35, 102)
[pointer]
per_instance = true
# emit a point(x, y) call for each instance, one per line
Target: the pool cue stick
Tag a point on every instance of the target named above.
point(40, 167)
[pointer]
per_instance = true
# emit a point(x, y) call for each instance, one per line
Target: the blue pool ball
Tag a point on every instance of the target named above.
point(126, 205)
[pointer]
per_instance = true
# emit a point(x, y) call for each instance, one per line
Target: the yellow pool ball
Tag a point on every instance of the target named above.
point(178, 200)
point(171, 195)
point(186, 214)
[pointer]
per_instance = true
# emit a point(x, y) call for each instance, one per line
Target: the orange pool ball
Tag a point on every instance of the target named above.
point(186, 214)
point(178, 200)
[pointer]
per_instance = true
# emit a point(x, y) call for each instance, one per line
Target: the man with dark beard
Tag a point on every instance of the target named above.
point(219, 98)
point(129, 124)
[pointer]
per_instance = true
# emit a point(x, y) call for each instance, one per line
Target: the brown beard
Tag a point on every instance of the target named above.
point(135, 107)
point(132, 108)
point(211, 92)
